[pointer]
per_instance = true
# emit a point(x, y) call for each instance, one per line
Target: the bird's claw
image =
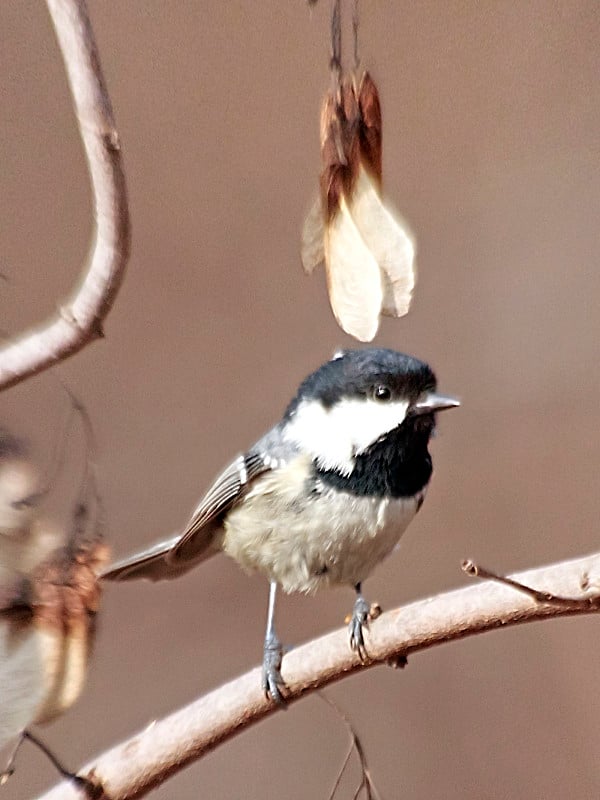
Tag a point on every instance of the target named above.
point(272, 682)
point(358, 622)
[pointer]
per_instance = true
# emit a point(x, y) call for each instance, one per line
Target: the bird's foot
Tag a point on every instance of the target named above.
point(272, 682)
point(358, 622)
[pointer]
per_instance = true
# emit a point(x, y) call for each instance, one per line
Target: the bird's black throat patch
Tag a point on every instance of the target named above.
point(398, 465)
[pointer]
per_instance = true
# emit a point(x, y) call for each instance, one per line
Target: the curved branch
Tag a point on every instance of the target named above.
point(133, 768)
point(79, 320)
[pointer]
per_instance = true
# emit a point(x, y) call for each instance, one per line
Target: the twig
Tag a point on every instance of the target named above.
point(366, 781)
point(589, 601)
point(131, 769)
point(79, 320)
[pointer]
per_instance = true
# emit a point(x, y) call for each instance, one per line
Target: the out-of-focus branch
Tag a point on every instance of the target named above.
point(79, 320)
point(134, 767)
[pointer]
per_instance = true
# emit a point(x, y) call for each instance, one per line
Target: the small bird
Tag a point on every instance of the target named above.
point(322, 497)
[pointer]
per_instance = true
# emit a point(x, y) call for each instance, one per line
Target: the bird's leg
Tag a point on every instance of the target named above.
point(359, 621)
point(272, 655)
point(92, 789)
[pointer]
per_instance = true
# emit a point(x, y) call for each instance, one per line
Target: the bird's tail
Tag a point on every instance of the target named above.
point(154, 563)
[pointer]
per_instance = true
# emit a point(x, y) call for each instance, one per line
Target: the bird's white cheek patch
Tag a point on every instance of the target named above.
point(335, 436)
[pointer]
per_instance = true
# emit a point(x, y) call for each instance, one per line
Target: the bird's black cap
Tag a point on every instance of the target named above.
point(356, 373)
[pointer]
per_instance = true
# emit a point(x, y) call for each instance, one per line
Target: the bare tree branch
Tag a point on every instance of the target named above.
point(132, 768)
point(79, 320)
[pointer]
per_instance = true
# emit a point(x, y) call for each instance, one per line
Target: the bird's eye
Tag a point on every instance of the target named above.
point(382, 393)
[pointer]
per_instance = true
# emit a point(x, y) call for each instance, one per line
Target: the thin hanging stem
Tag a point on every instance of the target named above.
point(355, 27)
point(366, 781)
point(336, 39)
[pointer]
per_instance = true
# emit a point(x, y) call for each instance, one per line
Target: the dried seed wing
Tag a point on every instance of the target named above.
point(370, 132)
point(389, 243)
point(65, 662)
point(24, 545)
point(353, 277)
point(22, 684)
point(340, 147)
point(49, 595)
point(312, 249)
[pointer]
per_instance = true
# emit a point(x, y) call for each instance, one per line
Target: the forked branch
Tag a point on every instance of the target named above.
point(133, 768)
point(79, 320)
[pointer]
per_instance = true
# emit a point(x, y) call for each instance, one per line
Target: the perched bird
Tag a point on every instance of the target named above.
point(324, 496)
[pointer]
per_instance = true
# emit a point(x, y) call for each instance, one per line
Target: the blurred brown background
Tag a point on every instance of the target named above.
point(491, 151)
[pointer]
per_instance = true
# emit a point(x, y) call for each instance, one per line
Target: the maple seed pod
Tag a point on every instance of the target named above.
point(47, 629)
point(49, 598)
point(367, 252)
point(370, 131)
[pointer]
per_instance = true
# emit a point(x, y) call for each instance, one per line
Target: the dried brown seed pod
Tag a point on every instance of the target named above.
point(368, 252)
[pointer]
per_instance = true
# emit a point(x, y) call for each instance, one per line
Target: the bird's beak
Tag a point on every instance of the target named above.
point(433, 402)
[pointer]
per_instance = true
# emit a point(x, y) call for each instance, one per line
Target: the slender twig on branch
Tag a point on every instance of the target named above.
point(588, 601)
point(79, 319)
point(132, 768)
point(366, 781)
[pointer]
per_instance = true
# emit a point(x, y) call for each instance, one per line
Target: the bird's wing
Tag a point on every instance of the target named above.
point(231, 484)
point(174, 556)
